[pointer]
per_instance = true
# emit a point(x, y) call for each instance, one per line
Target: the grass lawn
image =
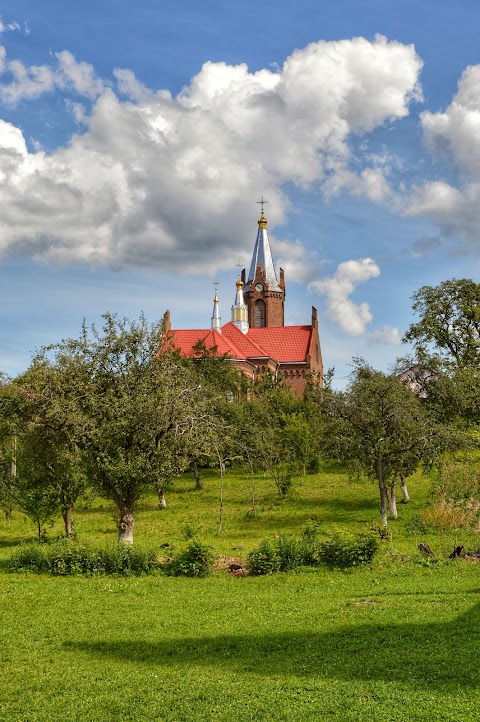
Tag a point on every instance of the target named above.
point(397, 641)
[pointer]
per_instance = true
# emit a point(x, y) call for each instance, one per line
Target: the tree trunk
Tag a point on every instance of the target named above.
point(162, 504)
point(405, 494)
point(67, 514)
point(196, 476)
point(383, 493)
point(392, 501)
point(125, 527)
point(222, 475)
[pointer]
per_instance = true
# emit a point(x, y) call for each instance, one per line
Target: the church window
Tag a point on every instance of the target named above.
point(259, 314)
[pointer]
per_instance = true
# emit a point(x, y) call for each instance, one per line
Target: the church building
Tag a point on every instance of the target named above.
point(256, 339)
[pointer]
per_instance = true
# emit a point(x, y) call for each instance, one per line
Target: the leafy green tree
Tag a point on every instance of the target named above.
point(8, 480)
point(127, 410)
point(299, 434)
point(8, 451)
point(270, 446)
point(36, 493)
point(46, 422)
point(449, 322)
point(378, 427)
point(225, 386)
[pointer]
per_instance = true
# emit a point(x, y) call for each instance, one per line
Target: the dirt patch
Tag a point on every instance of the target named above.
point(233, 565)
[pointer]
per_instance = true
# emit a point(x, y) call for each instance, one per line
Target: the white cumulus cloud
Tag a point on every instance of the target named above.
point(156, 179)
point(353, 318)
point(388, 335)
point(30, 82)
point(454, 136)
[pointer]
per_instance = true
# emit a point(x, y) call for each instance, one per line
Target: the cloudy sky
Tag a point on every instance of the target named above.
point(137, 138)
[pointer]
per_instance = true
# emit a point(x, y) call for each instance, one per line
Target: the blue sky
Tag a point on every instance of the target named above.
point(136, 139)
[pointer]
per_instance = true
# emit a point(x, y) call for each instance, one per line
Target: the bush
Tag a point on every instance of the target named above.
point(31, 557)
point(346, 550)
point(265, 559)
point(65, 558)
point(194, 561)
point(283, 554)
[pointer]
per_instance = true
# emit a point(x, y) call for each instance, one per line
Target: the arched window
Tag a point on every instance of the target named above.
point(259, 313)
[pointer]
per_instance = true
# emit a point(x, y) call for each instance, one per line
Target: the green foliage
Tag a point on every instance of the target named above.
point(194, 561)
point(286, 553)
point(265, 559)
point(131, 414)
point(378, 427)
point(190, 529)
point(343, 550)
point(449, 320)
point(64, 558)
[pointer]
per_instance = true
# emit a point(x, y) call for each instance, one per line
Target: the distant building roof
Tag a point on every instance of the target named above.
point(284, 344)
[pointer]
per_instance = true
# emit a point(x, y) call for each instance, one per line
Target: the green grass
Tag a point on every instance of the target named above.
point(392, 642)
point(311, 646)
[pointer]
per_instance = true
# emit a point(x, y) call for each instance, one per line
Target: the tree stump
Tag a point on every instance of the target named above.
point(425, 549)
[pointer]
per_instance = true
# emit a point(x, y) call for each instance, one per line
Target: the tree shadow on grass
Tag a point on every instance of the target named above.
point(440, 655)
point(14, 542)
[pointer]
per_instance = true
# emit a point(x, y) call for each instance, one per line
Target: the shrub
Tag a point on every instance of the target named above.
point(194, 561)
point(313, 464)
point(65, 558)
point(31, 557)
point(265, 559)
point(347, 550)
point(283, 554)
point(292, 553)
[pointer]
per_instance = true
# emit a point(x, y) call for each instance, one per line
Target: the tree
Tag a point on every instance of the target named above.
point(378, 427)
point(127, 410)
point(270, 439)
point(449, 321)
point(225, 385)
point(8, 476)
point(37, 495)
point(8, 452)
point(46, 424)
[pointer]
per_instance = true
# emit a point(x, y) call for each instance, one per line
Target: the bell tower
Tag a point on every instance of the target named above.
point(264, 294)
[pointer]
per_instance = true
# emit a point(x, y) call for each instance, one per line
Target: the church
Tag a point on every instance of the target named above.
point(255, 339)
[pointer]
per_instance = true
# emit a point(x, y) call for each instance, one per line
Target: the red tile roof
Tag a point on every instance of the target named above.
point(284, 344)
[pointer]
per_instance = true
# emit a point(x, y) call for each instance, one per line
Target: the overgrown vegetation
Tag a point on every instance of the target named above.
point(63, 558)
point(286, 553)
point(196, 560)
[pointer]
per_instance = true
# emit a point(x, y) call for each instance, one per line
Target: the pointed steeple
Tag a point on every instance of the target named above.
point(216, 320)
point(239, 309)
point(264, 295)
point(262, 256)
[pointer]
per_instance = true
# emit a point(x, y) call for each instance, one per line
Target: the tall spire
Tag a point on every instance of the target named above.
point(239, 309)
point(216, 320)
point(264, 294)
point(262, 255)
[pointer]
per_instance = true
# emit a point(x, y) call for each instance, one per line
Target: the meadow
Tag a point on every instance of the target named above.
point(397, 640)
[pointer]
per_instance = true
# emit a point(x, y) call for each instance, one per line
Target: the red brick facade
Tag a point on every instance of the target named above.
point(265, 307)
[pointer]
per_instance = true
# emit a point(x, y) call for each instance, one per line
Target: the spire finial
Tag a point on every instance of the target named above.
point(216, 320)
point(262, 202)
point(262, 221)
